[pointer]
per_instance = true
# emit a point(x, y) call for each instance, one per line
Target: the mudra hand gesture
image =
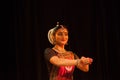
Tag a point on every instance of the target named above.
point(86, 60)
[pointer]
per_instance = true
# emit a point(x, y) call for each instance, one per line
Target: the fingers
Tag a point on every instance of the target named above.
point(90, 60)
point(86, 60)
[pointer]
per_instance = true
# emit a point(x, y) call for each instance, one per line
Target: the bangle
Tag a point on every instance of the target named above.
point(77, 62)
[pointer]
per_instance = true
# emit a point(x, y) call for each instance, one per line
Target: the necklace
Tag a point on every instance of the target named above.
point(59, 51)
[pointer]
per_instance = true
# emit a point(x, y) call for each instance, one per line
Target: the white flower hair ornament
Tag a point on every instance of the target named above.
point(50, 34)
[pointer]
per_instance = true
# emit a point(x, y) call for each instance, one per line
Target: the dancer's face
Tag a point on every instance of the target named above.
point(61, 36)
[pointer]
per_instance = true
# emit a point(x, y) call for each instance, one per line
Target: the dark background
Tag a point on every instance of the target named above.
point(93, 31)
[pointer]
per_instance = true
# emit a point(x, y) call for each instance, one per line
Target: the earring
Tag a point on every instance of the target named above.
point(54, 41)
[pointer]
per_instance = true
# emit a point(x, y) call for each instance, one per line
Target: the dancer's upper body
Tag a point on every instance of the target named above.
point(61, 62)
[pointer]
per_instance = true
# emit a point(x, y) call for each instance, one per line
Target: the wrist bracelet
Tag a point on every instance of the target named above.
point(77, 62)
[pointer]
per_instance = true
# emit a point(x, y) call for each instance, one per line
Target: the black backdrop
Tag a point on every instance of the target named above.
point(93, 31)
